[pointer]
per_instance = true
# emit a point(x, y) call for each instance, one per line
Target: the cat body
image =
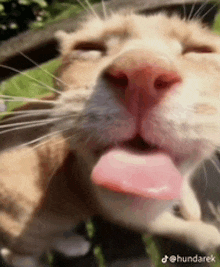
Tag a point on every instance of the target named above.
point(134, 88)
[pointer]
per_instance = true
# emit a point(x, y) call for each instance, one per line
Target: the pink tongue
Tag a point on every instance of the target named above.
point(151, 174)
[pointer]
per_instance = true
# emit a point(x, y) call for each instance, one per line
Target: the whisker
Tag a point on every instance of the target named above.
point(57, 142)
point(25, 99)
point(212, 160)
point(200, 9)
point(27, 122)
point(184, 10)
point(104, 9)
point(27, 112)
point(82, 5)
point(191, 11)
point(209, 10)
point(37, 113)
point(29, 100)
point(24, 116)
point(213, 210)
point(45, 71)
point(32, 78)
point(26, 127)
point(45, 136)
point(92, 9)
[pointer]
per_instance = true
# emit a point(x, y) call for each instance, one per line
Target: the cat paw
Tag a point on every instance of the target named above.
point(73, 246)
point(204, 237)
point(17, 260)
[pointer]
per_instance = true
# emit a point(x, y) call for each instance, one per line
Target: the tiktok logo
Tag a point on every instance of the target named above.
point(164, 259)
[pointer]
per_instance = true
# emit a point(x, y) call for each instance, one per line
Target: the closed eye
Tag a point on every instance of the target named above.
point(198, 49)
point(90, 46)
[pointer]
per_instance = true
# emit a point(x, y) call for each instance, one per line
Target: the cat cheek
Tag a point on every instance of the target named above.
point(205, 109)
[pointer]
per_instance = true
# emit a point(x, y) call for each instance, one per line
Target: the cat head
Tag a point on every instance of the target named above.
point(155, 78)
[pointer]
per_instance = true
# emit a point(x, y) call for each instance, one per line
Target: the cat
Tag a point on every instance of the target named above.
point(135, 116)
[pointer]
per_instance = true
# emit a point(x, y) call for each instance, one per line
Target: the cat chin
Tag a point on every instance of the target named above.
point(158, 217)
point(133, 211)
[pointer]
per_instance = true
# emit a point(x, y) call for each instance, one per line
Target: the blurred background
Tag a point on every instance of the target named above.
point(17, 16)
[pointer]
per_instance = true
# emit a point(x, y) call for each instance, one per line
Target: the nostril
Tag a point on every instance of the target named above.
point(160, 83)
point(119, 79)
point(165, 82)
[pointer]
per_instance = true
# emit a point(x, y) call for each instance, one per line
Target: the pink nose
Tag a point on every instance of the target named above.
point(141, 85)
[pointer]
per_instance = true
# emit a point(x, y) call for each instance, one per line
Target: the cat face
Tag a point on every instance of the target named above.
point(114, 66)
point(144, 94)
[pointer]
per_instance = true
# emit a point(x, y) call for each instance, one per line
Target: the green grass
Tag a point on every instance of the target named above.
point(152, 251)
point(217, 24)
point(31, 84)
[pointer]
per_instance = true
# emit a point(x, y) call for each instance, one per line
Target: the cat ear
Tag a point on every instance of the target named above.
point(61, 35)
point(64, 39)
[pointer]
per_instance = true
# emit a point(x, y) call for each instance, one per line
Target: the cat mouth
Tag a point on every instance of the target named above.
point(137, 168)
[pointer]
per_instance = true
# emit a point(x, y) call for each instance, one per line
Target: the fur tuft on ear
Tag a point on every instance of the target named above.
point(64, 40)
point(61, 35)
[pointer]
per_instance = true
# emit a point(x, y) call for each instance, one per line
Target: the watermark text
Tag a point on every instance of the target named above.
point(186, 259)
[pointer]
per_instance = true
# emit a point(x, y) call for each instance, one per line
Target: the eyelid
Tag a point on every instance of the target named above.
point(90, 46)
point(198, 49)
